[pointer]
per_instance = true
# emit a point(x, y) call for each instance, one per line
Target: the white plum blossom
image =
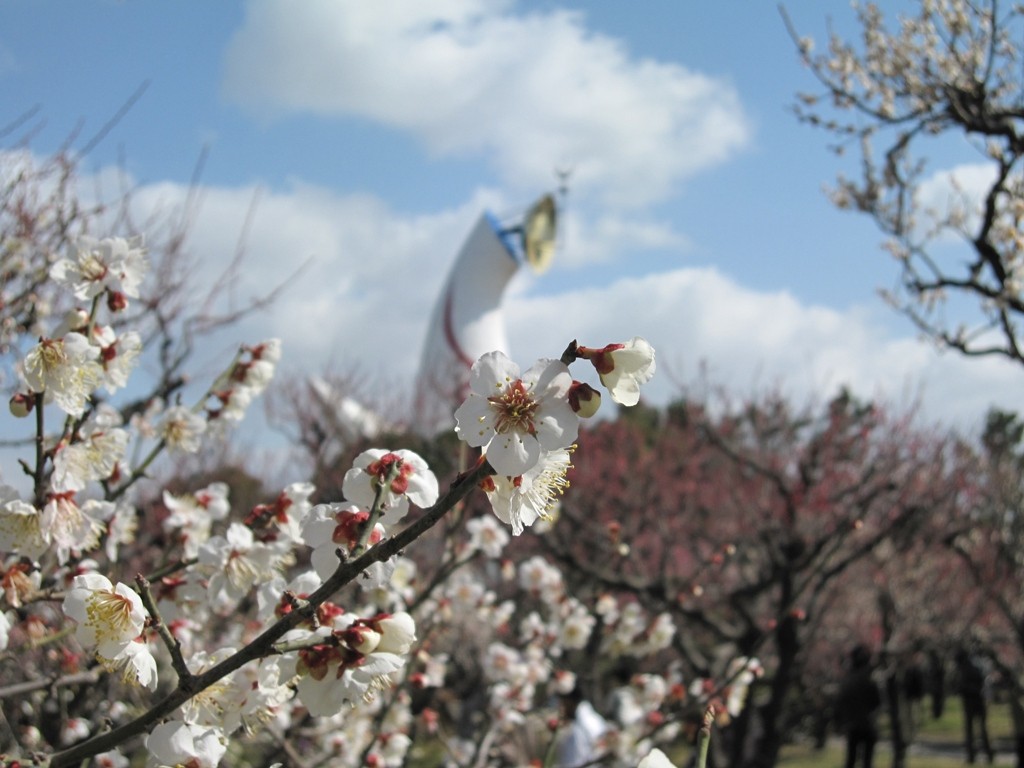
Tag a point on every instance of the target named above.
point(235, 402)
point(112, 264)
point(73, 529)
point(400, 589)
point(520, 501)
point(136, 664)
point(176, 743)
point(741, 673)
point(466, 593)
point(75, 319)
point(332, 675)
point(107, 616)
point(539, 577)
point(653, 689)
point(287, 514)
point(181, 429)
point(269, 593)
point(236, 562)
point(208, 707)
point(256, 692)
point(94, 458)
point(657, 636)
point(607, 607)
point(435, 668)
point(393, 749)
point(505, 663)
point(576, 627)
point(515, 417)
point(563, 681)
point(257, 375)
point(121, 528)
point(325, 690)
point(268, 350)
point(402, 475)
point(193, 515)
point(330, 527)
point(118, 355)
point(21, 530)
point(73, 729)
point(65, 369)
point(485, 535)
point(244, 380)
point(623, 368)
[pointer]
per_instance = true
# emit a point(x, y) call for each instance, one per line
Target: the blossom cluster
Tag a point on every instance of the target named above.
point(526, 423)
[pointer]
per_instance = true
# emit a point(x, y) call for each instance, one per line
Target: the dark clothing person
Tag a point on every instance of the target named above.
point(936, 683)
point(857, 706)
point(914, 688)
point(970, 680)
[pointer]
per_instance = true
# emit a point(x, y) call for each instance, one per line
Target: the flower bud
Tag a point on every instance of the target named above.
point(116, 301)
point(21, 405)
point(362, 639)
point(397, 633)
point(584, 399)
point(622, 367)
point(76, 320)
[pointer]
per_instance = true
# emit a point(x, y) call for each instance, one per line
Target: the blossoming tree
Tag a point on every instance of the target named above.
point(948, 70)
point(741, 522)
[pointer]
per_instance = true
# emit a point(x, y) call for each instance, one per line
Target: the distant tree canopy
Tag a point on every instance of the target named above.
point(948, 75)
point(759, 528)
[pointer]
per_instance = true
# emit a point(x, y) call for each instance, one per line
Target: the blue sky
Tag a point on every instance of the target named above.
point(375, 133)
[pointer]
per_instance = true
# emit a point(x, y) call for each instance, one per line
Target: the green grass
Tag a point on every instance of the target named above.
point(833, 756)
point(937, 743)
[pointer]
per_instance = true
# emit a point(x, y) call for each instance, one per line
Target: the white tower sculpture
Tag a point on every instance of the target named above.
point(467, 320)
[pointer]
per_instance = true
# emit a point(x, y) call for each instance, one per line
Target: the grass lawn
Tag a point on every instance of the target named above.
point(937, 743)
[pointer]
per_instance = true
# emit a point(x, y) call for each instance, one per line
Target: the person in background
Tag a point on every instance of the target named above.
point(970, 684)
point(580, 744)
point(857, 705)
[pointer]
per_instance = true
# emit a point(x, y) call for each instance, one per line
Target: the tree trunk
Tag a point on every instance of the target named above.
point(773, 733)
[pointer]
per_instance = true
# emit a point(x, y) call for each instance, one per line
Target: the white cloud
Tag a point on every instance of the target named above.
point(584, 240)
point(530, 91)
point(363, 303)
point(363, 278)
point(957, 192)
point(748, 341)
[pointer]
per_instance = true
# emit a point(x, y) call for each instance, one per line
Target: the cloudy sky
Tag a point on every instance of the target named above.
point(371, 135)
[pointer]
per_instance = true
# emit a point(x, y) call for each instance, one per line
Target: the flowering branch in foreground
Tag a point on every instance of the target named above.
point(263, 645)
point(301, 648)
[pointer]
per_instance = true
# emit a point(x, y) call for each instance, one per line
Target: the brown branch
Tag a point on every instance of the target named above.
point(263, 645)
